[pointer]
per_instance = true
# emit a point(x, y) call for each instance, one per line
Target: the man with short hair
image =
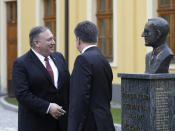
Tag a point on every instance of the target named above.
point(41, 84)
point(90, 84)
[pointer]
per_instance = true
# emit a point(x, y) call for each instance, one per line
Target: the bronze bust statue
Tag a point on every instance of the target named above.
point(155, 33)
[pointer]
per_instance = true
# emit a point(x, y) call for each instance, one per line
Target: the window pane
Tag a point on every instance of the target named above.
point(49, 25)
point(166, 17)
point(102, 27)
point(54, 7)
point(111, 4)
point(48, 8)
point(103, 45)
point(164, 3)
point(15, 12)
point(9, 12)
point(111, 27)
point(106, 40)
point(102, 42)
point(102, 5)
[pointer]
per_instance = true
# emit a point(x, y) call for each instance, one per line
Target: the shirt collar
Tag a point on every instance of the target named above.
point(87, 47)
point(41, 57)
point(159, 49)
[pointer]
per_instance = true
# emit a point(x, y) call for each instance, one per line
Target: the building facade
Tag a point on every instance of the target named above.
point(120, 24)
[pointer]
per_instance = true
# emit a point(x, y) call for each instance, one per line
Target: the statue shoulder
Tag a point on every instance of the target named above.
point(149, 54)
point(166, 52)
point(170, 52)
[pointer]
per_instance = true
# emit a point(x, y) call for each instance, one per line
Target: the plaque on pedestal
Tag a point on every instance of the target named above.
point(148, 102)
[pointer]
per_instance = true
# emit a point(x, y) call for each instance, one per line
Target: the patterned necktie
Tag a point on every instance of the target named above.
point(49, 69)
point(153, 58)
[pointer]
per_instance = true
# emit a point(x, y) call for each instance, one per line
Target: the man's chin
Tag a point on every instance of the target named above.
point(52, 50)
point(148, 44)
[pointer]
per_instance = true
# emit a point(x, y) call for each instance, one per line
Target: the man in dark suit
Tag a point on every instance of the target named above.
point(90, 84)
point(41, 83)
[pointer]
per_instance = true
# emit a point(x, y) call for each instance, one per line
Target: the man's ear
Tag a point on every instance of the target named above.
point(36, 43)
point(78, 41)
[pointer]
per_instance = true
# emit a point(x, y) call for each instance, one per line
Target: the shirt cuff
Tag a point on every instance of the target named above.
point(48, 109)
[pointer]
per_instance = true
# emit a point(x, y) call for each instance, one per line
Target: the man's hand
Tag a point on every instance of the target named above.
point(56, 111)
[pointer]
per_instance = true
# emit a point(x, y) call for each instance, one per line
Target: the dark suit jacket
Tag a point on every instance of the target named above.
point(90, 93)
point(34, 91)
point(158, 60)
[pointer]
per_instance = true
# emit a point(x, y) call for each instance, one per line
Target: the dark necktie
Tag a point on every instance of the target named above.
point(153, 58)
point(49, 69)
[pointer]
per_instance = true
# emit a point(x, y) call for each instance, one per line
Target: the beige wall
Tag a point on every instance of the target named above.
point(131, 18)
point(61, 26)
point(28, 12)
point(28, 20)
point(77, 13)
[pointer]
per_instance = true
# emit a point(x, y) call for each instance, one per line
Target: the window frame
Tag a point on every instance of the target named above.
point(169, 11)
point(107, 15)
point(51, 18)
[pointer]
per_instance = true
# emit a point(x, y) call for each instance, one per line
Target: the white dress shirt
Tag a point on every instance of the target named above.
point(87, 47)
point(53, 66)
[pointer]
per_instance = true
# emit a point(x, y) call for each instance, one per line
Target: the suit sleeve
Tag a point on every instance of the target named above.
point(80, 94)
point(64, 119)
point(22, 90)
point(66, 85)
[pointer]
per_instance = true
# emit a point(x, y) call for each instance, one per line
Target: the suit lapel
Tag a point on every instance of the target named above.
point(40, 66)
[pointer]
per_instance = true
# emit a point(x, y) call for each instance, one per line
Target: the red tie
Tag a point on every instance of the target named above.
point(49, 69)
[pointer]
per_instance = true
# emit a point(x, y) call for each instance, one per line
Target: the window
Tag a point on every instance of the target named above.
point(105, 27)
point(166, 10)
point(50, 15)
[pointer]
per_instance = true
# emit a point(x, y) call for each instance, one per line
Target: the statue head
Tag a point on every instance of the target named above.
point(155, 32)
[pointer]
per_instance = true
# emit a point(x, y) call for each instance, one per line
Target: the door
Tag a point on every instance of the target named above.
point(11, 42)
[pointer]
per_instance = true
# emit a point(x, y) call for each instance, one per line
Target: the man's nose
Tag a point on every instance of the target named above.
point(53, 42)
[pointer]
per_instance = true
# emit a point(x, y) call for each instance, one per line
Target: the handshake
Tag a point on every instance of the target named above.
point(56, 111)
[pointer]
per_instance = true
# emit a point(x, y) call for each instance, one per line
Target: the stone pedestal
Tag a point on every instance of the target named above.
point(148, 102)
